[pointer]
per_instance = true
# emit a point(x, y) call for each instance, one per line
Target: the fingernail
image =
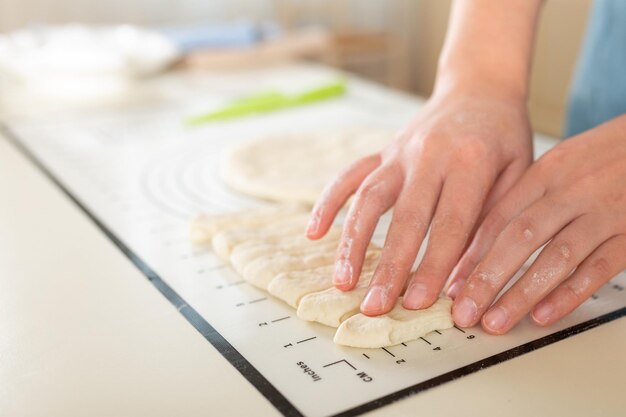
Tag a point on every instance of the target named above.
point(415, 296)
point(343, 273)
point(543, 313)
point(465, 312)
point(455, 288)
point(496, 318)
point(313, 225)
point(375, 300)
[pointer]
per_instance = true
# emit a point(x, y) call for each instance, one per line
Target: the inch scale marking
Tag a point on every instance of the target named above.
point(145, 189)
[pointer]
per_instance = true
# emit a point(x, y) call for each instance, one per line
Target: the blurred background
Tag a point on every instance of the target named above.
point(395, 42)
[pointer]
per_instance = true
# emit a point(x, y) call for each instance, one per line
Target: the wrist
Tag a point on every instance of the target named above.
point(475, 81)
point(488, 48)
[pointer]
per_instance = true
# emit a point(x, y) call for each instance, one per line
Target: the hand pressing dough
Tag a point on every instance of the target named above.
point(269, 249)
point(397, 326)
point(296, 167)
point(292, 286)
point(332, 306)
point(204, 227)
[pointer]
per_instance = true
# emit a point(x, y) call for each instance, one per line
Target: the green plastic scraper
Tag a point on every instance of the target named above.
point(268, 102)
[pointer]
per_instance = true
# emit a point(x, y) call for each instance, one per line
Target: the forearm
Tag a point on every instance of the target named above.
point(489, 46)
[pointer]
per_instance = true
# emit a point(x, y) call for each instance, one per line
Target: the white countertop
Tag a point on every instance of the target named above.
point(83, 332)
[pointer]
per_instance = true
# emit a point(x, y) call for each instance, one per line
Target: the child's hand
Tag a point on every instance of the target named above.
point(573, 199)
point(453, 162)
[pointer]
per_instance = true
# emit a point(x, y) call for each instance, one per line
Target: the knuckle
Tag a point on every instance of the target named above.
point(391, 259)
point(528, 292)
point(483, 281)
point(410, 220)
point(562, 251)
point(570, 293)
point(425, 146)
point(354, 225)
point(346, 250)
point(370, 191)
point(494, 222)
point(601, 267)
point(452, 224)
point(522, 229)
point(472, 151)
point(389, 262)
point(520, 298)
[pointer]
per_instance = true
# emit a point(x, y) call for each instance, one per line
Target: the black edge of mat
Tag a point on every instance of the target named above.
point(483, 363)
point(228, 351)
point(248, 371)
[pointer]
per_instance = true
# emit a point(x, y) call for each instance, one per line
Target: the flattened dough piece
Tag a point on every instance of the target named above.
point(262, 271)
point(297, 167)
point(332, 306)
point(246, 252)
point(397, 326)
point(292, 286)
point(205, 226)
point(225, 242)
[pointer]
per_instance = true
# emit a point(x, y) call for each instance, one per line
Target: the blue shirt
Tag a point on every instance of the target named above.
point(598, 91)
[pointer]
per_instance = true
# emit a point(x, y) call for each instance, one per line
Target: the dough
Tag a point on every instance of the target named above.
point(224, 242)
point(296, 167)
point(332, 306)
point(397, 326)
point(261, 271)
point(204, 227)
point(246, 252)
point(269, 250)
point(292, 286)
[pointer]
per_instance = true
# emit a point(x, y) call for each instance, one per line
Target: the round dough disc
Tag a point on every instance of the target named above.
point(297, 167)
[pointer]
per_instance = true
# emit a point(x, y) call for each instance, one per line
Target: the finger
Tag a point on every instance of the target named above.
point(465, 265)
point(603, 264)
point(411, 217)
point(505, 181)
point(553, 265)
point(337, 193)
point(521, 196)
point(457, 211)
point(375, 196)
point(507, 178)
point(519, 239)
